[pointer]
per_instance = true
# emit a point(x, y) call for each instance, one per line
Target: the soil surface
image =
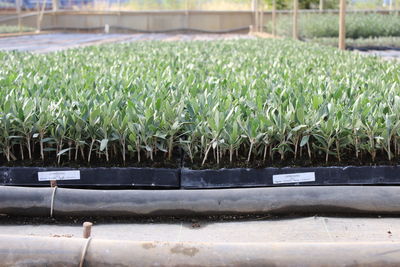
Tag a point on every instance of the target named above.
point(197, 163)
point(181, 160)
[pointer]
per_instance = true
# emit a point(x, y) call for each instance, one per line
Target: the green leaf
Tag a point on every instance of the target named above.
point(103, 144)
point(304, 140)
point(64, 151)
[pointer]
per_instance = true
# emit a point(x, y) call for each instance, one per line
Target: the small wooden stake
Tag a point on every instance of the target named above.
point(87, 229)
point(53, 183)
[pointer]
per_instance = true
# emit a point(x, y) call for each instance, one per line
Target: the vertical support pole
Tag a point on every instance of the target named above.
point(342, 25)
point(255, 11)
point(295, 19)
point(40, 15)
point(261, 17)
point(274, 17)
point(54, 4)
point(37, 17)
point(186, 26)
point(18, 8)
point(321, 5)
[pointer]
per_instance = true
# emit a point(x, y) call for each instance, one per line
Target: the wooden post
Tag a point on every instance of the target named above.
point(295, 19)
point(87, 229)
point(274, 17)
point(342, 25)
point(261, 17)
point(255, 11)
point(18, 7)
point(54, 4)
point(186, 26)
point(321, 5)
point(38, 15)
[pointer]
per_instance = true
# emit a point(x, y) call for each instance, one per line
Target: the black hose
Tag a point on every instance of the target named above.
point(281, 200)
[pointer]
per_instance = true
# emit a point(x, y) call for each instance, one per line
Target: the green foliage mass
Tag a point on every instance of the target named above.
point(327, 25)
point(13, 29)
point(252, 99)
point(360, 42)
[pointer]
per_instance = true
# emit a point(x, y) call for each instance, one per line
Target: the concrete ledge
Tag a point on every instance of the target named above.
point(150, 21)
point(25, 250)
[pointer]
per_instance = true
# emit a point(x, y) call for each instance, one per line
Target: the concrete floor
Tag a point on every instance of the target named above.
point(45, 43)
point(385, 54)
point(305, 229)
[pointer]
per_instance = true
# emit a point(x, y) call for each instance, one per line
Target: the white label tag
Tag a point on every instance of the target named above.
point(293, 178)
point(59, 175)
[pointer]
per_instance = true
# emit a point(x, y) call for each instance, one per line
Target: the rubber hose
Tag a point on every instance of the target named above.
point(299, 199)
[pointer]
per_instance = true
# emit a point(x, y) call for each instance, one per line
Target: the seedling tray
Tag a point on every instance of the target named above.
point(96, 177)
point(226, 178)
point(161, 178)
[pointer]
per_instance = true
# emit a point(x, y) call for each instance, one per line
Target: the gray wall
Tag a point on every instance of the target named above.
point(154, 21)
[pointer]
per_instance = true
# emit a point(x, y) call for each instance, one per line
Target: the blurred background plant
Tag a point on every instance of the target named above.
point(327, 25)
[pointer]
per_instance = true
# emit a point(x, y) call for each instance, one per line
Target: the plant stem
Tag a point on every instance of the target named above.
point(251, 148)
point(90, 149)
point(28, 145)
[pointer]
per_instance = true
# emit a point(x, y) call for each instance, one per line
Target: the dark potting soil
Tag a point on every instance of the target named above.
point(196, 164)
point(180, 159)
point(158, 162)
point(316, 161)
point(195, 220)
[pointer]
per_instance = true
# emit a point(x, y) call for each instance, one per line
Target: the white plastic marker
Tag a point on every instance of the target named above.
point(293, 178)
point(59, 175)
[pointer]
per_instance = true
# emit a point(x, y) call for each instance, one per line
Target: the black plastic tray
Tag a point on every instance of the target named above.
point(225, 178)
point(154, 178)
point(96, 177)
